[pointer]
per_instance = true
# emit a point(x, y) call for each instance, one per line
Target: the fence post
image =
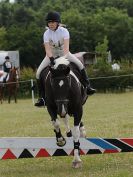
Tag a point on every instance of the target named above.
point(32, 91)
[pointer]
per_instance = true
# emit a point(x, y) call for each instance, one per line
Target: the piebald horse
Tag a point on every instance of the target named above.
point(64, 96)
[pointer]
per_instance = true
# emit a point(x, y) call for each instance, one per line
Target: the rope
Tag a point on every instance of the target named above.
point(109, 77)
point(92, 78)
point(17, 82)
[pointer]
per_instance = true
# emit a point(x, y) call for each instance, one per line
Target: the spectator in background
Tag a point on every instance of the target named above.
point(115, 66)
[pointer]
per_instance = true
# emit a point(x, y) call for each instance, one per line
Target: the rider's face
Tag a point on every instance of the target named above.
point(52, 25)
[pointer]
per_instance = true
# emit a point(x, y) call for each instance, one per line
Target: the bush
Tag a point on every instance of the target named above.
point(104, 79)
point(26, 74)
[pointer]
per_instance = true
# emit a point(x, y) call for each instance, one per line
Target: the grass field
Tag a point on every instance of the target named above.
point(105, 115)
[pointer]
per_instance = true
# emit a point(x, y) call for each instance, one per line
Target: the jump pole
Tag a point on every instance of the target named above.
point(35, 147)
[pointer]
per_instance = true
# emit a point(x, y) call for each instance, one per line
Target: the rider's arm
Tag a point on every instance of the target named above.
point(66, 46)
point(49, 52)
point(48, 49)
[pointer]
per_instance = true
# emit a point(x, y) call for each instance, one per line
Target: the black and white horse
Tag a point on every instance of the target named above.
point(64, 97)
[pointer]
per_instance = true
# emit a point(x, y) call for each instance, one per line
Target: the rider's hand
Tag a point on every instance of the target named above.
point(52, 60)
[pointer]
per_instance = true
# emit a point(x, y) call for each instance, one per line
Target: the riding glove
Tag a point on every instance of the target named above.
point(52, 60)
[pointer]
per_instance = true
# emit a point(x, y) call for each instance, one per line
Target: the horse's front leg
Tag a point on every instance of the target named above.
point(77, 163)
point(66, 122)
point(60, 140)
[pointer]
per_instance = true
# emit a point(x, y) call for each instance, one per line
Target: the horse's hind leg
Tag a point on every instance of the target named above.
point(82, 130)
point(59, 138)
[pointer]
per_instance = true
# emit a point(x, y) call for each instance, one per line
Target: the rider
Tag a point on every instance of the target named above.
point(7, 65)
point(56, 44)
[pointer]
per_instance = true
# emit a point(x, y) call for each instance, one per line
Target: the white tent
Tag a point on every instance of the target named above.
point(14, 57)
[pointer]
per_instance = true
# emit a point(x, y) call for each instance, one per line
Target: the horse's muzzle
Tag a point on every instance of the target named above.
point(62, 107)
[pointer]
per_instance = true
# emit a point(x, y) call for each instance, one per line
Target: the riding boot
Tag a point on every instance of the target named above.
point(86, 83)
point(41, 100)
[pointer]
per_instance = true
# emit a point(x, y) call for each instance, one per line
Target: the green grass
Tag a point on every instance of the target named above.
point(105, 115)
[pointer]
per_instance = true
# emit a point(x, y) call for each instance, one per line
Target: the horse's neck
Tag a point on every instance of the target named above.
point(12, 76)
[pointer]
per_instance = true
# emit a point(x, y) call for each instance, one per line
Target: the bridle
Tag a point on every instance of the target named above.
point(52, 79)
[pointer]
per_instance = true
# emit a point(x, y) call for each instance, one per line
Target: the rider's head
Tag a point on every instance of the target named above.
point(53, 19)
point(7, 58)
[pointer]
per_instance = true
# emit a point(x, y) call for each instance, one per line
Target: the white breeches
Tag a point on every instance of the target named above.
point(3, 76)
point(46, 62)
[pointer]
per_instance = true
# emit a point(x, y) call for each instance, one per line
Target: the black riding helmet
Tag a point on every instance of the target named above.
point(7, 58)
point(53, 17)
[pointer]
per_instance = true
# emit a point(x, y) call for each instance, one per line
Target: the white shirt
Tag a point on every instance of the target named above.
point(8, 64)
point(56, 40)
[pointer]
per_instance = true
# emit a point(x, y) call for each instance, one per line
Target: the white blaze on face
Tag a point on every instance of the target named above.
point(61, 83)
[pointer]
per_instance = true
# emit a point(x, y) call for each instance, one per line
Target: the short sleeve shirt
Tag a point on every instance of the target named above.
point(56, 39)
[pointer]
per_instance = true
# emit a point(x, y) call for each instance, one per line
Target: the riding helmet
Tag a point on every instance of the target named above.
point(7, 58)
point(53, 17)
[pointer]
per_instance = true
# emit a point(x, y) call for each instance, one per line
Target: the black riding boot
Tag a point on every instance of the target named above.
point(41, 101)
point(86, 83)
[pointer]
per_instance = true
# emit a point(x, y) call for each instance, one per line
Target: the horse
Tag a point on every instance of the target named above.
point(64, 96)
point(12, 84)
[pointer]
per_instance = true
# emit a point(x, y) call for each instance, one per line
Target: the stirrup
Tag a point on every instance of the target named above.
point(40, 102)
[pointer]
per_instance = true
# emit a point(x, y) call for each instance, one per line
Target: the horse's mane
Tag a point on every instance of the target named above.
point(61, 61)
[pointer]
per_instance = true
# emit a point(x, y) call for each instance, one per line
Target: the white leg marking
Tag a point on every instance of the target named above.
point(56, 125)
point(76, 133)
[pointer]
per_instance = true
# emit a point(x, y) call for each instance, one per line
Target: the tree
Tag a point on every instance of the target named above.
point(3, 41)
point(23, 23)
point(102, 48)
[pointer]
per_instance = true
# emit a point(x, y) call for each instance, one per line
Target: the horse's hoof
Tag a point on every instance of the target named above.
point(77, 164)
point(69, 134)
point(61, 143)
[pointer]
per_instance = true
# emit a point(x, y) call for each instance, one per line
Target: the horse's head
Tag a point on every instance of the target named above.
point(60, 82)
